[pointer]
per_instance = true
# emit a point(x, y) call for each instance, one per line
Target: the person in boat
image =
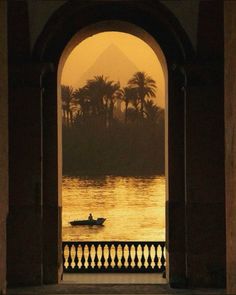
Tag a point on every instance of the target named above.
point(90, 217)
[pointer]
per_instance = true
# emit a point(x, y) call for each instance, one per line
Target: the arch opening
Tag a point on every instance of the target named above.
point(175, 147)
point(119, 32)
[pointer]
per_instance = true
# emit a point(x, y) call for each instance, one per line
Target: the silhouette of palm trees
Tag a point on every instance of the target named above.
point(130, 95)
point(82, 97)
point(96, 89)
point(112, 93)
point(152, 111)
point(97, 98)
point(145, 86)
point(98, 139)
point(67, 101)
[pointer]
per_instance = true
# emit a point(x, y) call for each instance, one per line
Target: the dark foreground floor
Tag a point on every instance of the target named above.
point(109, 289)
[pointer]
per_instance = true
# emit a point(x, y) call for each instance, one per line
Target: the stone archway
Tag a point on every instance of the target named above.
point(166, 31)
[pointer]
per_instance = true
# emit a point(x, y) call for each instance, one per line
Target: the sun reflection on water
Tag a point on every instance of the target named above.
point(133, 206)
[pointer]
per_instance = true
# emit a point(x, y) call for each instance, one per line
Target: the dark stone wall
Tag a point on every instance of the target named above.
point(205, 209)
point(3, 144)
point(24, 226)
point(230, 146)
point(34, 221)
point(195, 208)
point(185, 10)
point(52, 177)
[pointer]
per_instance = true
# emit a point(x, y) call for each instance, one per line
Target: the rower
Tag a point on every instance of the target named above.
point(90, 216)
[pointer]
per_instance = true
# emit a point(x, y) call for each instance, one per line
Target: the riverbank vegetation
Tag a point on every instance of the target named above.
point(108, 129)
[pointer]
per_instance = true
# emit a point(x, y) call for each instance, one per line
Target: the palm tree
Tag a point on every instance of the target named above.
point(67, 101)
point(97, 98)
point(112, 93)
point(103, 94)
point(152, 111)
point(96, 88)
point(81, 95)
point(130, 95)
point(145, 86)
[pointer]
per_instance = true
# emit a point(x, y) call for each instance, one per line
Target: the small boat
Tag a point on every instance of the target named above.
point(98, 221)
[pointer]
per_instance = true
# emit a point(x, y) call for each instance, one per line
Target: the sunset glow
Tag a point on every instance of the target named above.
point(138, 53)
point(113, 122)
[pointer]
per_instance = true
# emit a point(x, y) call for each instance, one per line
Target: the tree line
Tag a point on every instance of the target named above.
point(105, 125)
point(98, 97)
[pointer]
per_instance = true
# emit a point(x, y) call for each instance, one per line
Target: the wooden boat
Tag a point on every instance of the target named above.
point(98, 221)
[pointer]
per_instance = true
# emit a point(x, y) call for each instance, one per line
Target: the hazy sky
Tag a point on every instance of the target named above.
point(86, 54)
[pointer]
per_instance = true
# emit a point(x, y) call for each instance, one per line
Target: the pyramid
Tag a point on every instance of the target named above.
point(111, 63)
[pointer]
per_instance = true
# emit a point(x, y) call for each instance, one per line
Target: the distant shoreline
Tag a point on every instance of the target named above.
point(124, 174)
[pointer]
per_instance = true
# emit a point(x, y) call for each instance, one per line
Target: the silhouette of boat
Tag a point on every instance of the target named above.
point(98, 221)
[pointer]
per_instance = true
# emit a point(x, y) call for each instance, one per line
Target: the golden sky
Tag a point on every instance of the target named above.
point(86, 58)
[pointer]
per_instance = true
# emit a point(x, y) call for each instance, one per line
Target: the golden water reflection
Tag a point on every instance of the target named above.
point(133, 206)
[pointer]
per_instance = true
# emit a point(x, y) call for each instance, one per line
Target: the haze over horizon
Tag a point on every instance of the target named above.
point(122, 68)
point(114, 55)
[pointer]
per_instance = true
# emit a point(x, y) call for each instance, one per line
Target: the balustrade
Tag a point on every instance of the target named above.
point(113, 256)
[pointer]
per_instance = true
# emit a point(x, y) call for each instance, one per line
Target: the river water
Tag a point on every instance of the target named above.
point(134, 208)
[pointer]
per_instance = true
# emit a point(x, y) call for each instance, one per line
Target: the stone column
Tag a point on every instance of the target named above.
point(24, 228)
point(52, 176)
point(175, 205)
point(230, 145)
point(205, 203)
point(205, 232)
point(3, 143)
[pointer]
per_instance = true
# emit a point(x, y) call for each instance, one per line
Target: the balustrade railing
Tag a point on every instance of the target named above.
point(113, 257)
